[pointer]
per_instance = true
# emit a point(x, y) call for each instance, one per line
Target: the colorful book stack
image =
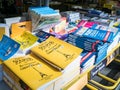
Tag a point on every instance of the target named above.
point(110, 28)
point(71, 16)
point(59, 29)
point(87, 60)
point(105, 36)
point(43, 17)
point(85, 23)
point(51, 63)
point(93, 37)
point(103, 21)
point(42, 35)
point(87, 44)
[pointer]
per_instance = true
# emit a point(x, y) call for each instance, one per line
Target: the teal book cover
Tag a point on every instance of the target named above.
point(8, 47)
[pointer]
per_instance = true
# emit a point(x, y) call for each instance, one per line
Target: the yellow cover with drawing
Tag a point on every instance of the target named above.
point(57, 53)
point(26, 40)
point(35, 73)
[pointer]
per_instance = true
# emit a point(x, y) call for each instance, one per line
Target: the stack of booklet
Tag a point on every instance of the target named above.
point(26, 41)
point(87, 44)
point(93, 37)
point(43, 17)
point(87, 60)
point(71, 16)
point(30, 72)
point(49, 66)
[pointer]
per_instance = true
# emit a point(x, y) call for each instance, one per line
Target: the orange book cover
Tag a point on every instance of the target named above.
point(18, 28)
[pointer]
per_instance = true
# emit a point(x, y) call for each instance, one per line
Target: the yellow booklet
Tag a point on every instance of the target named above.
point(58, 53)
point(26, 40)
point(35, 73)
point(2, 31)
point(1, 62)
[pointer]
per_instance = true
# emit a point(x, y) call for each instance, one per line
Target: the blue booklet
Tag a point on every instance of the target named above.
point(8, 47)
point(43, 10)
point(42, 35)
point(97, 34)
point(87, 44)
point(101, 54)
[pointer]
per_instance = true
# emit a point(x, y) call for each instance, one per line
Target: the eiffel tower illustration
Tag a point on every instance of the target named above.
point(41, 74)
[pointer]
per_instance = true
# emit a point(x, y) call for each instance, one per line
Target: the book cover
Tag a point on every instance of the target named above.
point(41, 14)
point(0, 62)
point(10, 20)
point(80, 30)
point(35, 73)
point(110, 28)
point(57, 53)
point(4, 29)
point(42, 35)
point(8, 47)
point(20, 27)
point(87, 57)
point(26, 40)
point(85, 43)
point(105, 36)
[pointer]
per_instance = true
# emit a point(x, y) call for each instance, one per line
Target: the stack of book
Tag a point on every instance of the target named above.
point(87, 44)
point(110, 28)
point(43, 17)
point(42, 36)
point(49, 66)
point(29, 72)
point(86, 23)
point(67, 60)
point(59, 30)
point(101, 54)
point(71, 16)
point(26, 40)
point(87, 60)
point(93, 37)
